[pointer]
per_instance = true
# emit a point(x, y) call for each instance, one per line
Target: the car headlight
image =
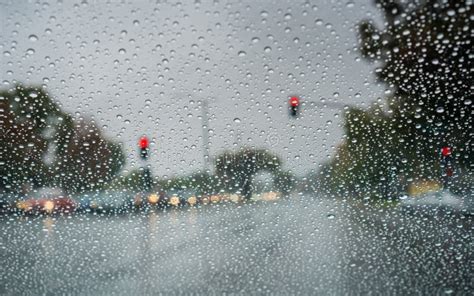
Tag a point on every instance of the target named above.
point(192, 200)
point(21, 205)
point(153, 198)
point(174, 201)
point(215, 198)
point(48, 206)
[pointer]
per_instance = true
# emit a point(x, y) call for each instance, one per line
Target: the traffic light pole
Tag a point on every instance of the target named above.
point(143, 144)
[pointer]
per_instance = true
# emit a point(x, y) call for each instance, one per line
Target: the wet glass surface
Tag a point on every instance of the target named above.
point(236, 147)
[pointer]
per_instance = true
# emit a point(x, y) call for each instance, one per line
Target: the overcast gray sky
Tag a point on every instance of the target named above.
point(141, 67)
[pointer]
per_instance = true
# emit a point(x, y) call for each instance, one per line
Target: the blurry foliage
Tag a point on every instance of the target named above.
point(425, 58)
point(235, 172)
point(237, 169)
point(202, 183)
point(41, 145)
point(134, 180)
point(284, 181)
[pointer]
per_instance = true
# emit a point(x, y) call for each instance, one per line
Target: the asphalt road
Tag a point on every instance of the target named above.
point(302, 245)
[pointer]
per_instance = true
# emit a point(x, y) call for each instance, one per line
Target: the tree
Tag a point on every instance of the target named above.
point(237, 169)
point(284, 181)
point(84, 160)
point(25, 120)
point(41, 145)
point(425, 55)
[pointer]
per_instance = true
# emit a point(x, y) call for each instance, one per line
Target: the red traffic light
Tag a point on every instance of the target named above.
point(143, 143)
point(294, 102)
point(446, 151)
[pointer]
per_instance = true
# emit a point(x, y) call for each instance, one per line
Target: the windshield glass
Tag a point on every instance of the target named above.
point(236, 147)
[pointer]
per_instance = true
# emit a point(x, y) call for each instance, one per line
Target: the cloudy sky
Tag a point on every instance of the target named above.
point(143, 68)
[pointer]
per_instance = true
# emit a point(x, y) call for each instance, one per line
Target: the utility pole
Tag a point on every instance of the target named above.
point(205, 134)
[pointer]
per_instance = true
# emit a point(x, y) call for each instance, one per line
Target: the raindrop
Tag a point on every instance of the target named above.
point(122, 51)
point(267, 49)
point(242, 53)
point(255, 39)
point(330, 216)
point(403, 197)
point(33, 37)
point(439, 110)
point(467, 102)
point(237, 120)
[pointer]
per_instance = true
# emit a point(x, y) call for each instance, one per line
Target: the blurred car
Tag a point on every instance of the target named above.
point(142, 200)
point(105, 201)
point(46, 201)
point(266, 196)
point(183, 197)
point(440, 202)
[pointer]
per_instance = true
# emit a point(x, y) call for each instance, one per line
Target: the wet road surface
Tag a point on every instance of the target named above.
point(302, 245)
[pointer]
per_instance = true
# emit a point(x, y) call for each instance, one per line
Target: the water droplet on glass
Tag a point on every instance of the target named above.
point(33, 37)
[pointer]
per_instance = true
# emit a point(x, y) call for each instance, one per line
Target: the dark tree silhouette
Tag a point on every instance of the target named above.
point(237, 169)
point(41, 145)
point(425, 56)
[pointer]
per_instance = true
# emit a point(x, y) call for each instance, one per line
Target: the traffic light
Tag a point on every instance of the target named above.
point(294, 106)
point(446, 151)
point(143, 144)
point(446, 164)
